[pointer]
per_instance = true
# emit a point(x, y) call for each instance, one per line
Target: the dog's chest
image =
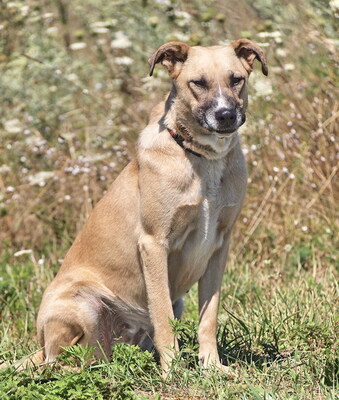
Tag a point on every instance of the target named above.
point(196, 230)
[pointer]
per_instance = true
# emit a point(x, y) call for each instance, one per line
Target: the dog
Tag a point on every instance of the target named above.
point(166, 221)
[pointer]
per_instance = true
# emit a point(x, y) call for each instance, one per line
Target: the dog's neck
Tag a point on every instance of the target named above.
point(195, 138)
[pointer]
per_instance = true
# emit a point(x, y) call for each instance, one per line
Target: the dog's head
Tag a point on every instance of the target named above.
point(211, 82)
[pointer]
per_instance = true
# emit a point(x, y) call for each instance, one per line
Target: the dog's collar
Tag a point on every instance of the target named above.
point(180, 141)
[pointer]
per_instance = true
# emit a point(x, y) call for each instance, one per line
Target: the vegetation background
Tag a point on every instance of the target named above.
point(75, 93)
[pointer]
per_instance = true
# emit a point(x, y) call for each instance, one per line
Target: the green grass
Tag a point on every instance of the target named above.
point(68, 124)
point(277, 332)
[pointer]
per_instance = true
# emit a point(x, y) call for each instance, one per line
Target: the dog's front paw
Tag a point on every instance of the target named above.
point(217, 367)
point(210, 364)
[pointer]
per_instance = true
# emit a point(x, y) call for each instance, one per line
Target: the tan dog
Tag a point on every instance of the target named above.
point(166, 221)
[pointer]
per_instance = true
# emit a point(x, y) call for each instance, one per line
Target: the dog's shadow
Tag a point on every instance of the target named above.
point(239, 346)
point(243, 352)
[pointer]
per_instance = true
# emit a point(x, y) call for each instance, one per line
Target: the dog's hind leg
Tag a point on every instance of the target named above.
point(77, 317)
point(58, 333)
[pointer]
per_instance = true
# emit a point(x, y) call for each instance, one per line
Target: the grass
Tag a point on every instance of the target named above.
point(69, 121)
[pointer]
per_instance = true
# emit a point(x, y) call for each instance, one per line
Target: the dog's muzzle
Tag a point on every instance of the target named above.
point(223, 120)
point(222, 115)
point(228, 120)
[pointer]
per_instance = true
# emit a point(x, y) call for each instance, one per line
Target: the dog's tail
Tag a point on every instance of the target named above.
point(32, 361)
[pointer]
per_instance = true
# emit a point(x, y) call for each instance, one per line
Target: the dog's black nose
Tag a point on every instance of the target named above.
point(226, 116)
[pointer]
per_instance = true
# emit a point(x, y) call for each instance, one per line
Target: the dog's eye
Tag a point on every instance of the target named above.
point(200, 83)
point(236, 80)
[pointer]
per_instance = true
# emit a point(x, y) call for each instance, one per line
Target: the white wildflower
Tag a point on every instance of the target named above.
point(182, 18)
point(334, 6)
point(289, 67)
point(100, 30)
point(281, 52)
point(304, 228)
point(263, 44)
point(262, 87)
point(24, 10)
point(48, 15)
point(75, 170)
point(4, 168)
point(40, 178)
point(123, 60)
point(52, 31)
point(182, 37)
point(100, 24)
point(163, 2)
point(121, 41)
point(288, 248)
point(94, 157)
point(78, 46)
point(274, 35)
point(72, 77)
point(13, 126)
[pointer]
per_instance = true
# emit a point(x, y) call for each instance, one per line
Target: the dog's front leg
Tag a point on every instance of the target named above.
point(154, 255)
point(209, 297)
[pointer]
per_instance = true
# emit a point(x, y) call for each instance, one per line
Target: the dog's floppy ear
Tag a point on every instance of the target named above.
point(249, 51)
point(171, 55)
